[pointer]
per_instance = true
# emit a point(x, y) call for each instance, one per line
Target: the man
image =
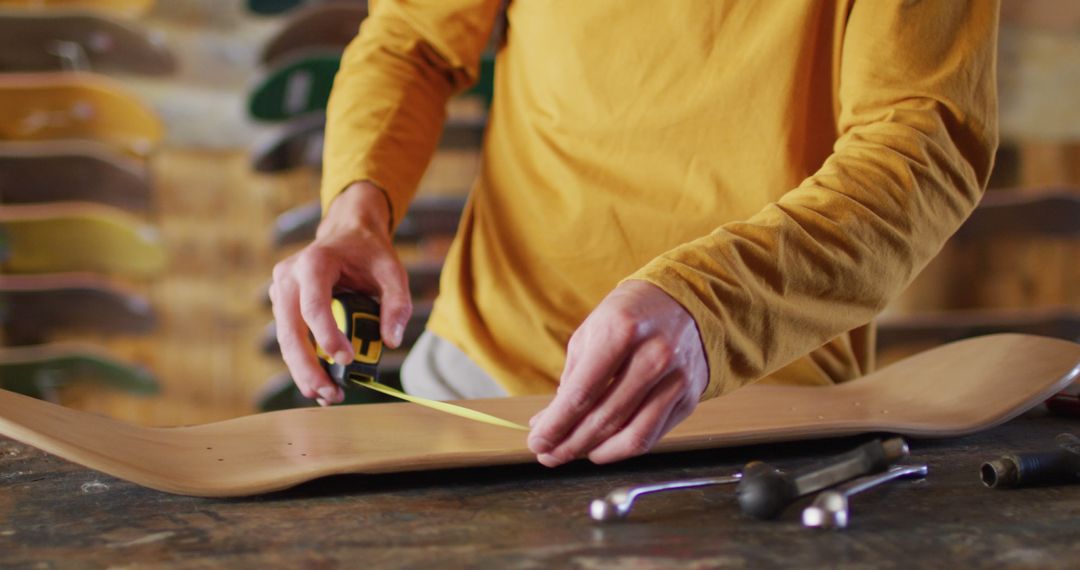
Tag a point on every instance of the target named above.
point(676, 198)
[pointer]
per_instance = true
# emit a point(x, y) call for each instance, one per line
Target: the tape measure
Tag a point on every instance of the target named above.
point(357, 316)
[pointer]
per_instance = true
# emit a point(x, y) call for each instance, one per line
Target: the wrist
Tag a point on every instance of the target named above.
point(362, 205)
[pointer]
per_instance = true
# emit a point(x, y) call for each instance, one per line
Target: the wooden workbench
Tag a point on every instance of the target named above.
point(54, 514)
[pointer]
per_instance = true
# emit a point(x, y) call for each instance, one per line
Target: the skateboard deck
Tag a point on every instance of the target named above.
point(78, 236)
point(297, 142)
point(39, 369)
point(52, 106)
point(83, 171)
point(952, 390)
point(425, 217)
point(33, 307)
point(296, 86)
point(129, 8)
point(48, 42)
point(322, 27)
point(271, 7)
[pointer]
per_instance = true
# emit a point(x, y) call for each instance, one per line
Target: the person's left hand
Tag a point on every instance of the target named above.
point(634, 369)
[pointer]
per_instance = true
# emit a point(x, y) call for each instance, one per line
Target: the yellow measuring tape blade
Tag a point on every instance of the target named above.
point(441, 406)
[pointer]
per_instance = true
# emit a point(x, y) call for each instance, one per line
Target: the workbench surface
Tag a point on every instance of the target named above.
point(54, 514)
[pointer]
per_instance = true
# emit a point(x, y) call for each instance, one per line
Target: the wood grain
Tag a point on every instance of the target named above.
point(952, 390)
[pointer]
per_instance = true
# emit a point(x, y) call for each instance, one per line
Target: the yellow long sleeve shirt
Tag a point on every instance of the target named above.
point(781, 169)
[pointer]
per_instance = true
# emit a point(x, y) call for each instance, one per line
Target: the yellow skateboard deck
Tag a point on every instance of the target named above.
point(56, 106)
point(953, 390)
point(129, 8)
point(78, 236)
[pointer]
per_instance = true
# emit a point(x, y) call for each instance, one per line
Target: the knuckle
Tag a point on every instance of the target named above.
point(576, 400)
point(311, 306)
point(660, 357)
point(281, 271)
point(603, 422)
point(636, 444)
point(621, 326)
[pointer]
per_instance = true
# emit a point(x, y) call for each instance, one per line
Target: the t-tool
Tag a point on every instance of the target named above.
point(617, 504)
point(831, 508)
point(763, 490)
point(766, 491)
point(1034, 468)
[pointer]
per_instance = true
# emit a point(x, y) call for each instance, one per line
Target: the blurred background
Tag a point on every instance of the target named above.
point(204, 121)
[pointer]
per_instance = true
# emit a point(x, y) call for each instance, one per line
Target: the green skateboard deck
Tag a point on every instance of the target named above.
point(39, 370)
point(301, 84)
point(295, 87)
point(83, 171)
point(48, 42)
point(271, 7)
point(61, 106)
point(319, 27)
point(33, 307)
point(73, 236)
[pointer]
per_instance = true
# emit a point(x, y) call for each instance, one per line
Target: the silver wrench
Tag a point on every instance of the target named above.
point(831, 510)
point(617, 504)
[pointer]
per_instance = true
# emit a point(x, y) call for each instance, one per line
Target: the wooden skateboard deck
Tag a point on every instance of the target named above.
point(325, 27)
point(37, 370)
point(953, 390)
point(129, 8)
point(48, 42)
point(33, 307)
point(78, 236)
point(295, 87)
point(83, 171)
point(58, 106)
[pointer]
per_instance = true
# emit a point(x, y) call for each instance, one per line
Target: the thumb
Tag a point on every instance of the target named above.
point(393, 284)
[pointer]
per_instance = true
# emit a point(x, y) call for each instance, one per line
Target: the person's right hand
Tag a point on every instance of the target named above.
point(352, 250)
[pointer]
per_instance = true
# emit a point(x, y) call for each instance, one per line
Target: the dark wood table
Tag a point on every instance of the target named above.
point(54, 514)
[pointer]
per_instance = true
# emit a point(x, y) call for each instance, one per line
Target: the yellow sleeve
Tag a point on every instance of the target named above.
point(917, 131)
point(388, 103)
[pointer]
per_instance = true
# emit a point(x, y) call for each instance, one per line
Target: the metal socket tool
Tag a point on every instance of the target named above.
point(1035, 468)
point(617, 504)
point(831, 508)
point(766, 491)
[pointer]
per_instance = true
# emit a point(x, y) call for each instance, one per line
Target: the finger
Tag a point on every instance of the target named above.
point(315, 278)
point(649, 363)
point(396, 302)
point(295, 348)
point(683, 410)
point(647, 425)
point(603, 350)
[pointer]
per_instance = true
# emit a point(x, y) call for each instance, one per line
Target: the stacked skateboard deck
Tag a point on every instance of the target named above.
point(75, 191)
